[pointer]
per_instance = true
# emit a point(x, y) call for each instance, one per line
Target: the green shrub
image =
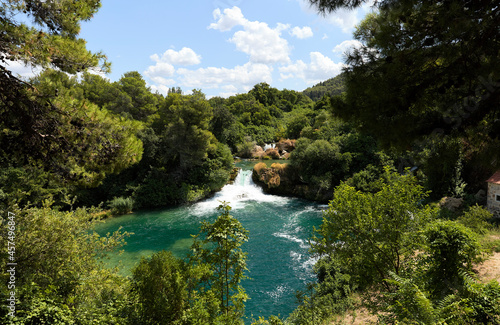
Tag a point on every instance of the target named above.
point(121, 205)
point(159, 285)
point(476, 218)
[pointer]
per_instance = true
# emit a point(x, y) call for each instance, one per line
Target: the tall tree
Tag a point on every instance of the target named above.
point(183, 122)
point(426, 68)
point(136, 100)
point(220, 248)
point(373, 234)
point(42, 125)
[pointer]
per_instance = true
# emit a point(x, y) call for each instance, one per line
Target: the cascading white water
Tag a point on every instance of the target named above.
point(269, 146)
point(237, 195)
point(279, 227)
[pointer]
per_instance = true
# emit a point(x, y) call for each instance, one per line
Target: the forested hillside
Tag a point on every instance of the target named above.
point(331, 87)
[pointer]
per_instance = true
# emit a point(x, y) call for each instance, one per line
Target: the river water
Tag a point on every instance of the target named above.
point(278, 259)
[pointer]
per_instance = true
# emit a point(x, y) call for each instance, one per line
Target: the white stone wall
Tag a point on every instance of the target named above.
point(492, 203)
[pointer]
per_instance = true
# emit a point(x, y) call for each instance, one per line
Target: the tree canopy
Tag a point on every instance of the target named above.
point(44, 123)
point(426, 68)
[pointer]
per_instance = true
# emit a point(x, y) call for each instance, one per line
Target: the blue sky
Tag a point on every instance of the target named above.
point(222, 47)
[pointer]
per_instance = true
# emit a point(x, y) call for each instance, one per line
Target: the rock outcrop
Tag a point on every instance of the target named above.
point(282, 179)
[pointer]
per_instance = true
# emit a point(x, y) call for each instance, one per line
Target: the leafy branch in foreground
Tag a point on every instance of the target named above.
point(220, 248)
point(372, 234)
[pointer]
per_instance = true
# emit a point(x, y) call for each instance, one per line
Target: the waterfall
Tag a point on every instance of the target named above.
point(238, 194)
point(269, 146)
point(278, 258)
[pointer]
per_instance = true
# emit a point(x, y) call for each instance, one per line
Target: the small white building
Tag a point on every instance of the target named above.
point(493, 199)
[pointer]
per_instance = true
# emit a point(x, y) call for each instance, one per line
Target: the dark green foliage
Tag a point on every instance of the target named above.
point(452, 249)
point(426, 69)
point(265, 94)
point(226, 128)
point(295, 126)
point(331, 87)
point(440, 161)
point(121, 205)
point(90, 142)
point(328, 6)
point(366, 180)
point(218, 246)
point(158, 188)
point(43, 310)
point(159, 285)
point(29, 185)
point(477, 219)
point(183, 161)
point(320, 161)
point(373, 234)
point(261, 135)
point(272, 320)
point(59, 275)
point(475, 303)
point(331, 295)
point(45, 125)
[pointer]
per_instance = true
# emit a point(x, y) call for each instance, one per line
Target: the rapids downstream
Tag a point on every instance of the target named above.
point(278, 259)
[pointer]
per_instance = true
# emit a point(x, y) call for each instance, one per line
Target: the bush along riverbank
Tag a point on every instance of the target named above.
point(282, 179)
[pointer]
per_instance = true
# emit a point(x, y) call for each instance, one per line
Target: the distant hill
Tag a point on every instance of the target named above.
point(333, 86)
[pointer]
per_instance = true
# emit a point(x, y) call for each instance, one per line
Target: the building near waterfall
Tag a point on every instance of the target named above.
point(493, 198)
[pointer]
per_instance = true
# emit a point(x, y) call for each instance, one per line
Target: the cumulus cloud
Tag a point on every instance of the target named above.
point(185, 56)
point(164, 69)
point(24, 71)
point(262, 43)
point(238, 79)
point(301, 33)
point(347, 46)
point(226, 21)
point(318, 69)
point(160, 72)
point(343, 18)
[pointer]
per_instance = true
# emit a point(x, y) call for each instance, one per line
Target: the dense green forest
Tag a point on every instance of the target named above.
point(331, 87)
point(413, 118)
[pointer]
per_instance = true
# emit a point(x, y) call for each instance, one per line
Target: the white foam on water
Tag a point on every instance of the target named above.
point(295, 256)
point(237, 195)
point(302, 243)
point(278, 292)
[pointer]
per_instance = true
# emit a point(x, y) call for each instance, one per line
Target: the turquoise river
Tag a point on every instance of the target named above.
point(278, 260)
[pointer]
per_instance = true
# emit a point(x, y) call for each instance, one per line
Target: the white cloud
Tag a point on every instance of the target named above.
point(28, 71)
point(163, 71)
point(162, 89)
point(347, 46)
point(160, 72)
point(238, 79)
point(185, 56)
point(262, 43)
point(318, 69)
point(230, 18)
point(24, 71)
point(343, 18)
point(228, 91)
point(301, 33)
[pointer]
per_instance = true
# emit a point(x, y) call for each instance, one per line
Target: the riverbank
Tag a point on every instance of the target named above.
point(281, 179)
point(278, 259)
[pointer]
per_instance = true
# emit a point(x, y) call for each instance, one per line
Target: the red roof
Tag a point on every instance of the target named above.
point(495, 178)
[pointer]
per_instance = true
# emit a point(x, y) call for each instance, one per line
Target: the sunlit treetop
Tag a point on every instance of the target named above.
point(44, 33)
